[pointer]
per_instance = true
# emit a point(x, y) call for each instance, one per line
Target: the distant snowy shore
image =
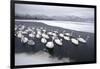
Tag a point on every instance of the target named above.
point(77, 26)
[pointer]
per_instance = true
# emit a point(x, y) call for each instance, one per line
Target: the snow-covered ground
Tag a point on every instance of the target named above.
point(37, 58)
point(78, 26)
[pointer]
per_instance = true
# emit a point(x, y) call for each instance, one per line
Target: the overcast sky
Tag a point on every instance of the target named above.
point(53, 10)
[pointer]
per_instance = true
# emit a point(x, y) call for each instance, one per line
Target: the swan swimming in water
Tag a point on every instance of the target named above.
point(31, 42)
point(43, 40)
point(24, 39)
point(82, 39)
point(44, 35)
point(74, 41)
point(62, 34)
point(58, 41)
point(31, 35)
point(68, 36)
point(50, 44)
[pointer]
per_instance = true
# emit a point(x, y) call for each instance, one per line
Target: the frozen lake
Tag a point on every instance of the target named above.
point(77, 26)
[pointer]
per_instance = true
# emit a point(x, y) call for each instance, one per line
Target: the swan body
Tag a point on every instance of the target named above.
point(45, 36)
point(58, 41)
point(31, 35)
point(82, 39)
point(61, 35)
point(67, 38)
point(43, 40)
point(67, 34)
point(54, 34)
point(19, 34)
point(38, 36)
point(31, 42)
point(50, 44)
point(24, 39)
point(75, 41)
point(49, 33)
point(24, 32)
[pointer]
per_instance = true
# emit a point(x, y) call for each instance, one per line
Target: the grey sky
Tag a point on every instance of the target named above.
point(53, 10)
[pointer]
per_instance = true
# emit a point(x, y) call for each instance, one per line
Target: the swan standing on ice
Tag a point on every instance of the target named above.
point(82, 39)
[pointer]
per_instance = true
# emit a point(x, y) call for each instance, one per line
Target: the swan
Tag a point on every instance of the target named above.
point(31, 35)
point(62, 34)
point(44, 34)
point(31, 42)
point(50, 44)
point(43, 40)
point(22, 27)
point(74, 41)
point(24, 39)
point(19, 34)
point(58, 41)
point(82, 39)
point(38, 36)
point(24, 32)
point(39, 32)
point(16, 27)
point(67, 34)
point(49, 33)
point(67, 38)
point(54, 34)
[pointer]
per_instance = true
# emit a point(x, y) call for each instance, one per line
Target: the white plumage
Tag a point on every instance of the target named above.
point(24, 39)
point(31, 42)
point(31, 35)
point(49, 33)
point(61, 35)
point(19, 34)
point(43, 40)
point(50, 44)
point(74, 41)
point(82, 39)
point(58, 41)
point(68, 34)
point(38, 36)
point(45, 36)
point(67, 38)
